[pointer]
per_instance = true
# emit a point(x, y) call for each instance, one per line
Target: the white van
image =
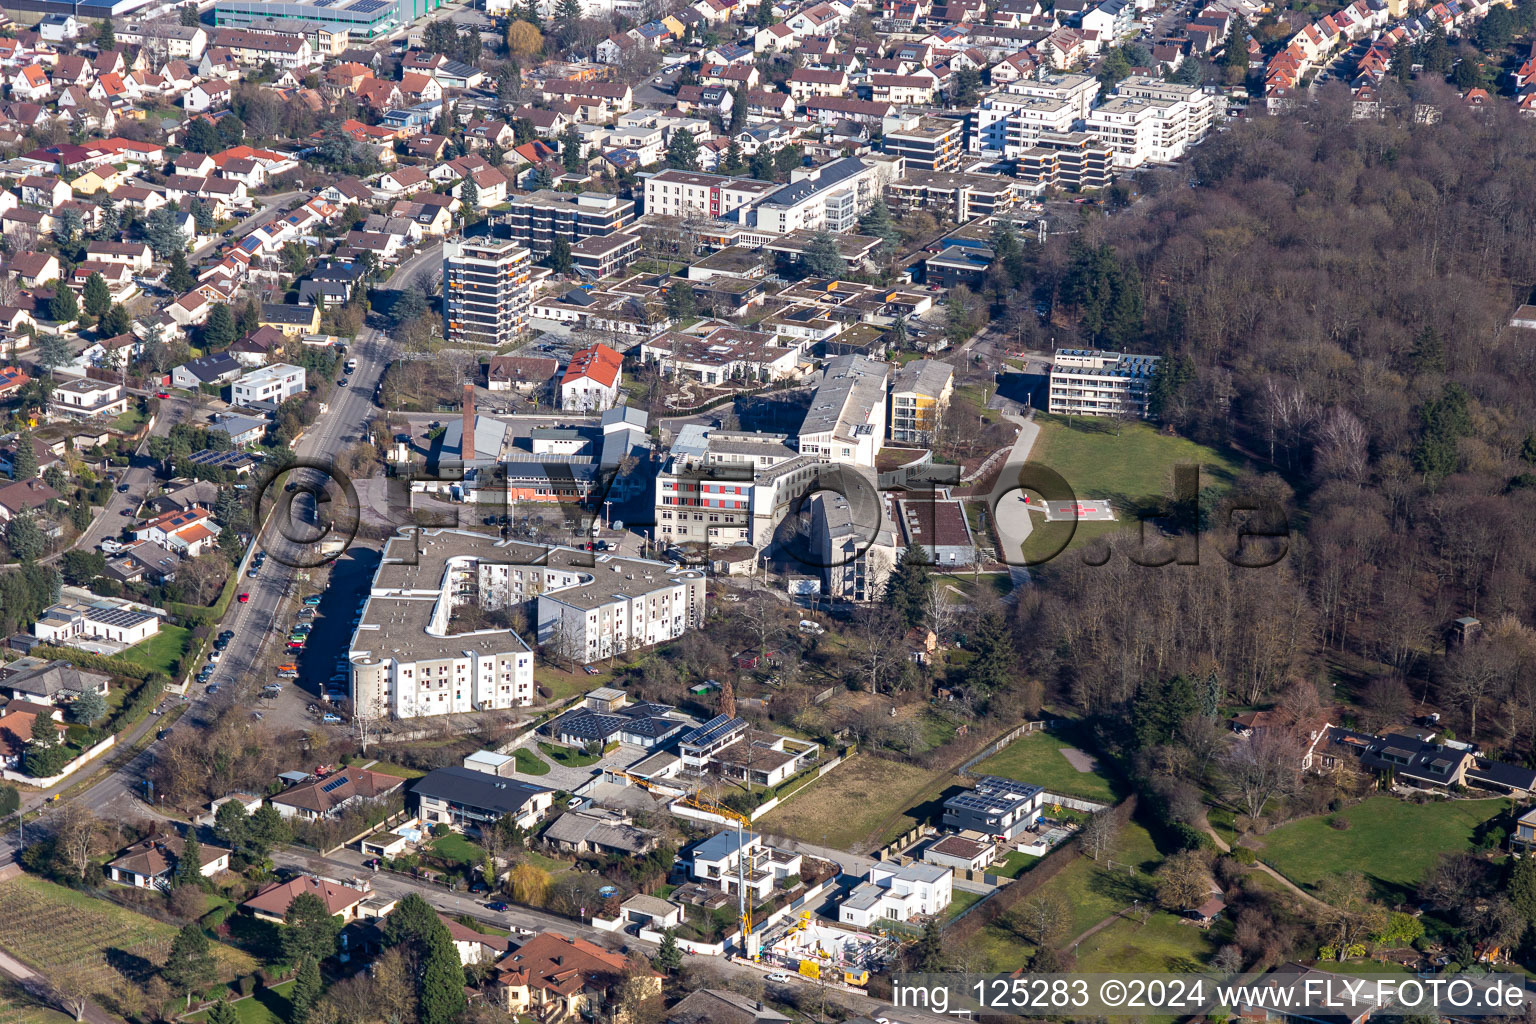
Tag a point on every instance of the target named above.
point(110, 546)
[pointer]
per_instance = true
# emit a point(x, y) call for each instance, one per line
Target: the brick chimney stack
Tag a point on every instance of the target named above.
point(468, 450)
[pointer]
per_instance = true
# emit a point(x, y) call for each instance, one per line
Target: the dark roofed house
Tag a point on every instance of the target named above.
point(641, 725)
point(716, 1006)
point(467, 799)
point(602, 832)
point(49, 682)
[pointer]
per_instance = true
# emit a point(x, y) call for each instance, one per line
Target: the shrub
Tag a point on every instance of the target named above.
point(245, 984)
point(1339, 823)
point(439, 830)
point(1244, 855)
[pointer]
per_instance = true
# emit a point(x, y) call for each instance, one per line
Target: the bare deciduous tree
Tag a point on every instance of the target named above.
point(1099, 834)
point(1262, 767)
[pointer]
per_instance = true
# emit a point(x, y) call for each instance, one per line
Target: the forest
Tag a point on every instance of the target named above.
point(1332, 296)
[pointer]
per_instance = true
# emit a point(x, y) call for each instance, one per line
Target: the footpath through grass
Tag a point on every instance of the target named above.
point(1393, 842)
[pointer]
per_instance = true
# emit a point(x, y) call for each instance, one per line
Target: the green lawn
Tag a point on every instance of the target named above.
point(399, 771)
point(160, 651)
point(1394, 843)
point(851, 807)
point(1014, 865)
point(1134, 464)
point(1160, 944)
point(266, 1006)
point(131, 420)
point(960, 903)
point(1037, 758)
point(528, 762)
point(1092, 891)
point(1130, 464)
point(455, 847)
point(568, 757)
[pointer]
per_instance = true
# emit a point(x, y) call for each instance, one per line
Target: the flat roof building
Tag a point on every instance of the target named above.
point(1093, 382)
point(407, 661)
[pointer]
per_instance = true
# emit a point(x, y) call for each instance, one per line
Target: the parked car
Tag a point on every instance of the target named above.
point(245, 598)
point(779, 977)
point(331, 718)
point(497, 905)
point(312, 600)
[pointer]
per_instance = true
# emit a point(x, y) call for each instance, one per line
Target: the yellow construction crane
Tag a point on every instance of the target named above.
point(743, 830)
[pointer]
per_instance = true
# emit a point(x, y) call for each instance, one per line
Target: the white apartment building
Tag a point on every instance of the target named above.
point(854, 550)
point(898, 893)
point(408, 661)
point(846, 421)
point(720, 488)
point(276, 384)
point(624, 605)
point(675, 193)
point(830, 197)
point(486, 290)
point(1010, 121)
point(1151, 121)
point(1093, 382)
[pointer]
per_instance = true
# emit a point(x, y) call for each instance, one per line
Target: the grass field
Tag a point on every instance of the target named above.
point(1130, 464)
point(849, 807)
point(562, 684)
point(1036, 758)
point(1092, 892)
point(399, 771)
point(456, 848)
point(1161, 944)
point(160, 651)
point(1392, 841)
point(17, 1007)
point(569, 757)
point(51, 927)
point(528, 762)
point(266, 1006)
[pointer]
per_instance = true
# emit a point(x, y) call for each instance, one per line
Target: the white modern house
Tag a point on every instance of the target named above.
point(898, 893)
point(276, 384)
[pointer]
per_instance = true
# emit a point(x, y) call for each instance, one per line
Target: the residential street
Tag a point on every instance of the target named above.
point(270, 207)
point(120, 791)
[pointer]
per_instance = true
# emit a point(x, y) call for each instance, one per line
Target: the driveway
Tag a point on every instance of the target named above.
point(1010, 512)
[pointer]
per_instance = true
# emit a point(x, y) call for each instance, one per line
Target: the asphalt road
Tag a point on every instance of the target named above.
point(120, 791)
point(649, 94)
point(271, 207)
